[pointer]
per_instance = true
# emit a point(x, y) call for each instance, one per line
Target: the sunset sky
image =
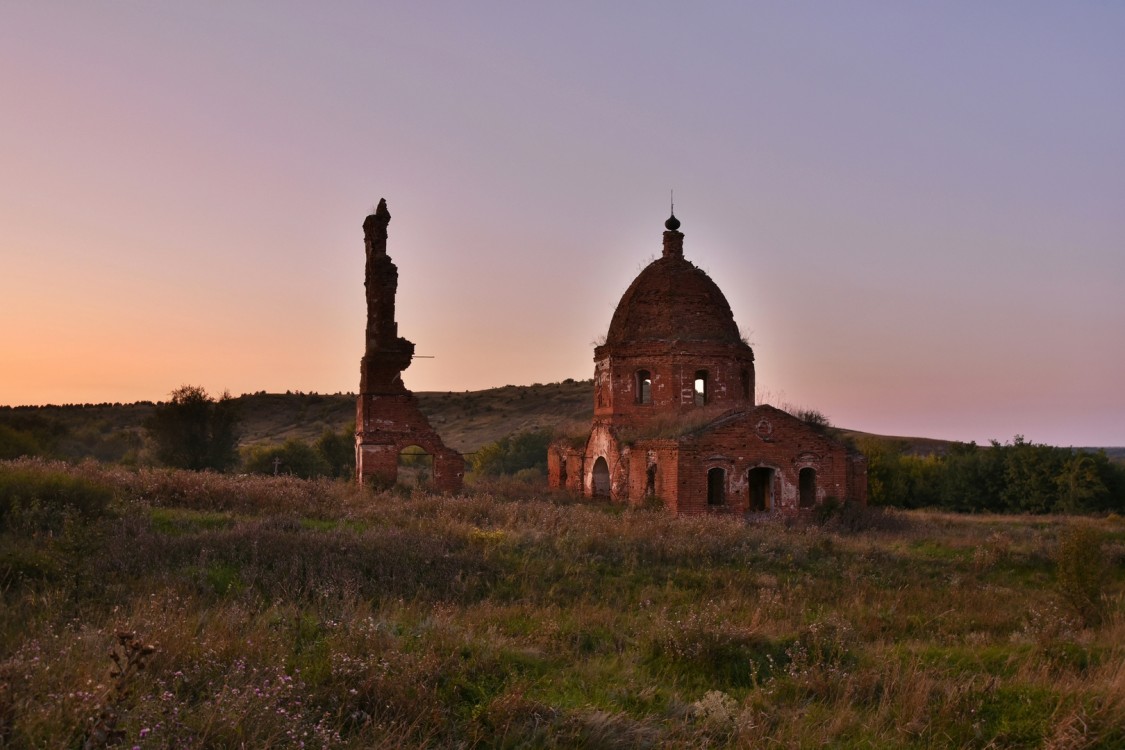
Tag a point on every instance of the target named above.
point(916, 211)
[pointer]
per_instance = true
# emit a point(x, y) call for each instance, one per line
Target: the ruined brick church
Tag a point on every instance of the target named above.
point(387, 418)
point(674, 415)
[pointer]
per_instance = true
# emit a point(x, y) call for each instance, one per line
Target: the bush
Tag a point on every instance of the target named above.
point(850, 518)
point(294, 458)
point(513, 453)
point(1082, 573)
point(34, 497)
point(338, 450)
point(15, 443)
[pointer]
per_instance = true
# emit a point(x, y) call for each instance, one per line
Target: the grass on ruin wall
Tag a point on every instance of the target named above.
point(289, 613)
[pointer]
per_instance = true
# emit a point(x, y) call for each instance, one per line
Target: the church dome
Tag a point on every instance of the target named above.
point(672, 300)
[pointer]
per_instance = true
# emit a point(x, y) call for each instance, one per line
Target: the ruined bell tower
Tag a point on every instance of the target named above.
point(387, 414)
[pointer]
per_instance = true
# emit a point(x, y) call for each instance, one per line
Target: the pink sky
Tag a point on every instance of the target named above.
point(917, 214)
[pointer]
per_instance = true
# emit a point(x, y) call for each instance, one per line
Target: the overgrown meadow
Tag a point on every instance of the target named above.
point(154, 609)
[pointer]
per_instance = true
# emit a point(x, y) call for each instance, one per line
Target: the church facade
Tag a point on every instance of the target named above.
point(674, 415)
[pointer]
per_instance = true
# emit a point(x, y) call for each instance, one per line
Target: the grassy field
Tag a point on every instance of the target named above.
point(285, 613)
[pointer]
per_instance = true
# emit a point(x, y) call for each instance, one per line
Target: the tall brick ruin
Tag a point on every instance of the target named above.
point(387, 416)
point(674, 415)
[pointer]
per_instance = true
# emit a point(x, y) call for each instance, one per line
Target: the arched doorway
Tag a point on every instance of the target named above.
point(760, 483)
point(601, 478)
point(415, 466)
point(806, 482)
point(716, 487)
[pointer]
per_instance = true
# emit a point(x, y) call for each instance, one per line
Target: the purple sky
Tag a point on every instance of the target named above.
point(917, 213)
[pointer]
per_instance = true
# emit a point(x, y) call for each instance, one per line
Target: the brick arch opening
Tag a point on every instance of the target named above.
point(650, 482)
point(415, 465)
point(600, 478)
point(759, 482)
point(716, 486)
point(644, 387)
point(806, 483)
point(699, 389)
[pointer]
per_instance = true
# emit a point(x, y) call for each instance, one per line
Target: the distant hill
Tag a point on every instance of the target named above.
point(466, 420)
point(913, 445)
point(1115, 454)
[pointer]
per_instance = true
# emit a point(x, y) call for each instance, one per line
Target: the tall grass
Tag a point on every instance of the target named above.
point(289, 613)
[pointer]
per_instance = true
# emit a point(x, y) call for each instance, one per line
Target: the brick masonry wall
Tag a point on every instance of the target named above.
point(385, 425)
point(768, 438)
point(759, 438)
point(387, 416)
point(729, 381)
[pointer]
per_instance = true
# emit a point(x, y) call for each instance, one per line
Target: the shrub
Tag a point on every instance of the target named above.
point(294, 457)
point(514, 453)
point(15, 443)
point(1082, 573)
point(35, 497)
point(338, 450)
point(854, 518)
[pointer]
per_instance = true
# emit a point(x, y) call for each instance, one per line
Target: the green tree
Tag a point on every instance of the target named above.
point(15, 443)
point(512, 453)
point(895, 477)
point(29, 433)
point(1030, 473)
point(1080, 485)
point(338, 450)
point(294, 457)
point(972, 478)
point(192, 430)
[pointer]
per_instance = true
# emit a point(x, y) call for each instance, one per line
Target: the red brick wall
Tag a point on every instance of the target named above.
point(387, 417)
point(661, 456)
point(730, 381)
point(765, 437)
point(385, 425)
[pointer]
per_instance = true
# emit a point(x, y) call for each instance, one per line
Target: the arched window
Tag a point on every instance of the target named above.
point(601, 477)
point(644, 387)
point(716, 487)
point(650, 482)
point(746, 384)
point(807, 485)
point(700, 387)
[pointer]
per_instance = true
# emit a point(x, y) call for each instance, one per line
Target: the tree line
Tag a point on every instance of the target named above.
point(1014, 477)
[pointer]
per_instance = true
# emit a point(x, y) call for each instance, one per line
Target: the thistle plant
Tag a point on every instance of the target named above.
point(129, 655)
